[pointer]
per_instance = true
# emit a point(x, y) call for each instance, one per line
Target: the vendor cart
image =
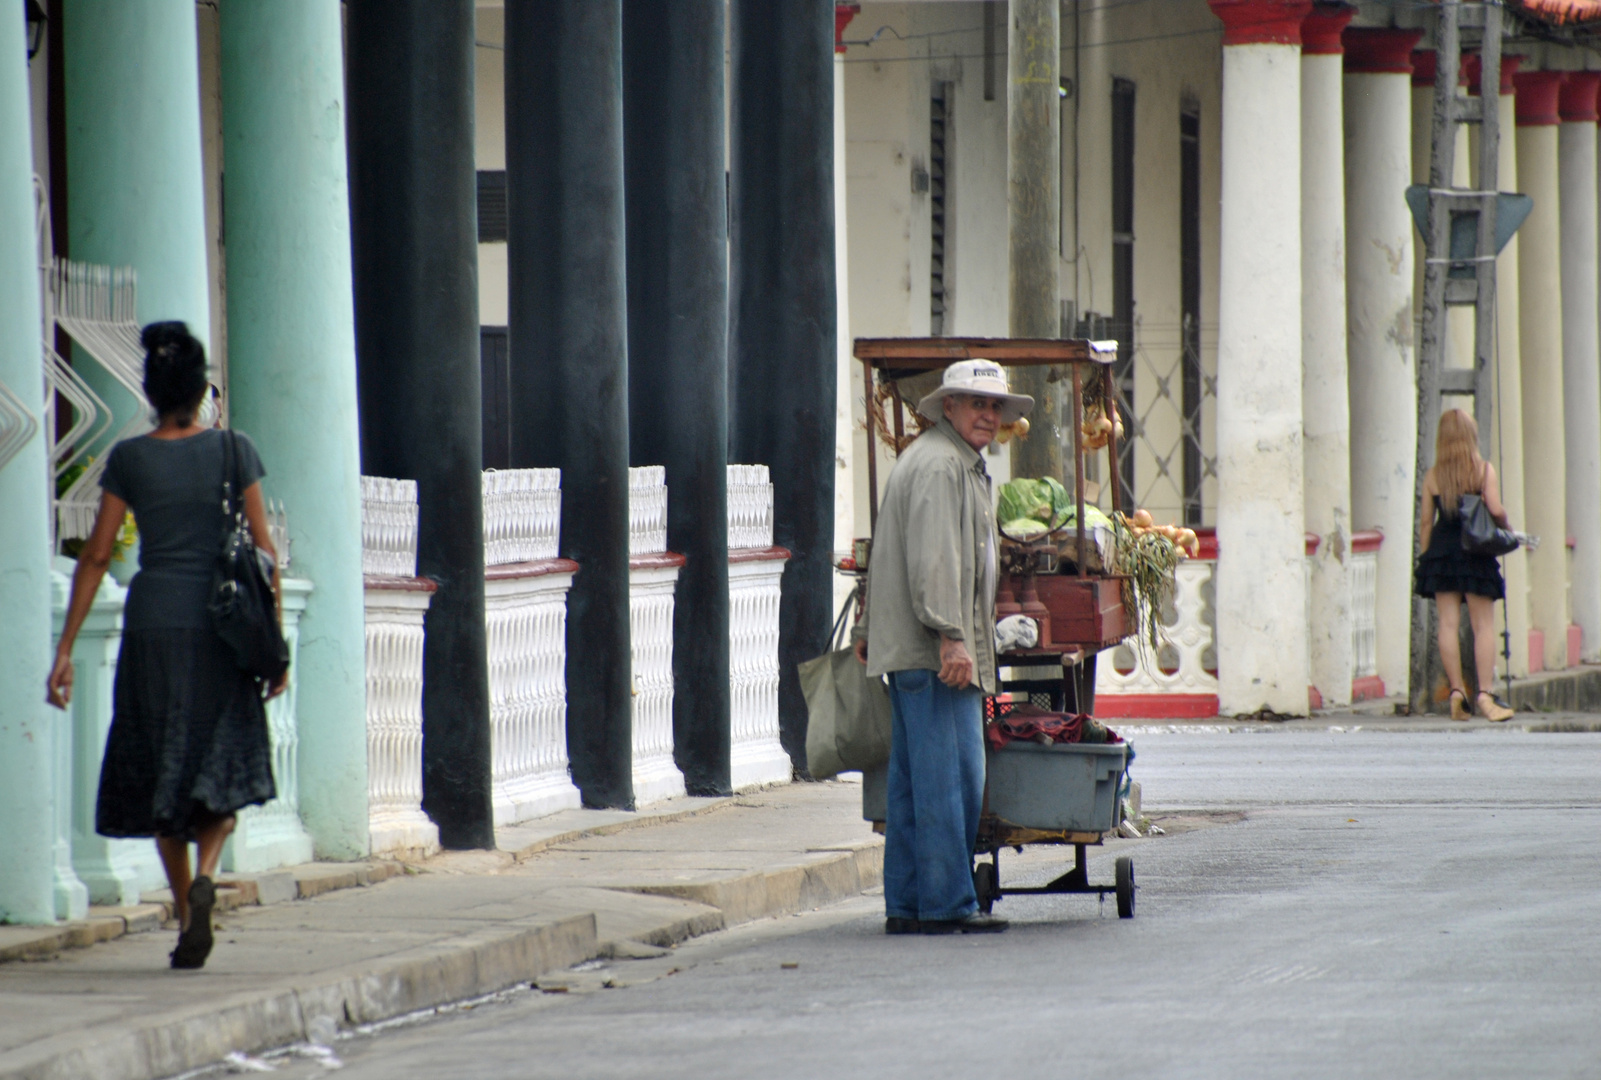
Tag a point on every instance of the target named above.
point(1066, 794)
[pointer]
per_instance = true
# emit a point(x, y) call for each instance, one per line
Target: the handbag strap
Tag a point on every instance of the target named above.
point(233, 499)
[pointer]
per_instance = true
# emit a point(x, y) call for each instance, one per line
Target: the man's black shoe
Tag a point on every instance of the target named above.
point(976, 923)
point(895, 925)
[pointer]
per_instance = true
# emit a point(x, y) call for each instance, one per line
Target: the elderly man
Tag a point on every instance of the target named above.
point(930, 627)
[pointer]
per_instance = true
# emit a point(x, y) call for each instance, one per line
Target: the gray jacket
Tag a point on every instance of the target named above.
point(932, 569)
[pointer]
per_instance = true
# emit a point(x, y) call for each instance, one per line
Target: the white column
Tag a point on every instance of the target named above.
point(1540, 341)
point(1506, 427)
point(1378, 280)
point(1261, 586)
point(1581, 352)
point(1326, 416)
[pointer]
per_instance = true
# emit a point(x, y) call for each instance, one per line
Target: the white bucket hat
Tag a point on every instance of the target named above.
point(984, 377)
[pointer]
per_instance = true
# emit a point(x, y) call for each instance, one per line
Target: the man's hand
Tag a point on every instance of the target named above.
point(278, 686)
point(861, 650)
point(955, 664)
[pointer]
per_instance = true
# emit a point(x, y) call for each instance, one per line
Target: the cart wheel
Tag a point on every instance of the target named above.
point(986, 885)
point(1125, 887)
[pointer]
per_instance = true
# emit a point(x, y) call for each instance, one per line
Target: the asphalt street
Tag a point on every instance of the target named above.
point(1345, 904)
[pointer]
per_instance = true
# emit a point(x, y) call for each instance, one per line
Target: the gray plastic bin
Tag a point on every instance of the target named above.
point(1064, 786)
point(1067, 786)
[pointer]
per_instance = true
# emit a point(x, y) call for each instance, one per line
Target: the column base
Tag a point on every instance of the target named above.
point(401, 832)
point(1367, 688)
point(1575, 645)
point(755, 764)
point(1536, 651)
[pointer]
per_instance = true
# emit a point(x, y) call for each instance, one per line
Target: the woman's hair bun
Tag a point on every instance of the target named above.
point(175, 367)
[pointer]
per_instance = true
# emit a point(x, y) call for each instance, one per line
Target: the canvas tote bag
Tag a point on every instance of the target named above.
point(848, 711)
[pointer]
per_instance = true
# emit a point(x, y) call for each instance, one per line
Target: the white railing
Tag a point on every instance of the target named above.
point(647, 510)
point(525, 616)
point(750, 507)
point(652, 580)
point(388, 526)
point(271, 835)
point(395, 819)
point(1188, 687)
point(756, 756)
point(1364, 569)
point(522, 515)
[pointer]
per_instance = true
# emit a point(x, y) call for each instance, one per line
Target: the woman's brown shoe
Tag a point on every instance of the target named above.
point(1459, 705)
point(1491, 709)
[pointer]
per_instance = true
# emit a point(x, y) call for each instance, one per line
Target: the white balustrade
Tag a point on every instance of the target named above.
point(395, 609)
point(271, 835)
point(756, 755)
point(750, 507)
point(1131, 681)
point(388, 526)
point(115, 872)
point(525, 615)
point(651, 582)
point(522, 515)
point(1364, 567)
point(647, 510)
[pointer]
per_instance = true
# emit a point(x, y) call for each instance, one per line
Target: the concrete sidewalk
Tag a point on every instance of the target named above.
point(560, 891)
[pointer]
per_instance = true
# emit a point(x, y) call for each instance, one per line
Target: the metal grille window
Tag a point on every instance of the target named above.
point(1194, 378)
point(938, 172)
point(491, 206)
point(1123, 267)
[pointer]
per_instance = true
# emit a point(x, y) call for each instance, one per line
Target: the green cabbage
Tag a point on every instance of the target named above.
point(1045, 501)
point(1023, 529)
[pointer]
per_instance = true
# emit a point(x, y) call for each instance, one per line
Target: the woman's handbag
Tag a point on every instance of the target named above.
point(848, 711)
point(1480, 533)
point(243, 606)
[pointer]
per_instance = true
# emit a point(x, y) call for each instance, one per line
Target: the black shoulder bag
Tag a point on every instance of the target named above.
point(243, 606)
point(1480, 534)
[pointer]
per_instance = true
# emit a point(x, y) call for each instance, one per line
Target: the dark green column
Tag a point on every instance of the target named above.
point(414, 235)
point(568, 346)
point(781, 331)
point(678, 342)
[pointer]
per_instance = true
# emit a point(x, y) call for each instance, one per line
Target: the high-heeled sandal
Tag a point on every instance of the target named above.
point(1459, 705)
point(194, 944)
point(1491, 709)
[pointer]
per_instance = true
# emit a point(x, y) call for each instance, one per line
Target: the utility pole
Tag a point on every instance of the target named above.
point(1034, 201)
point(1460, 267)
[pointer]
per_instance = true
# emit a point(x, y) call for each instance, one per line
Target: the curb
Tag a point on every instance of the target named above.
point(438, 974)
point(843, 871)
point(422, 978)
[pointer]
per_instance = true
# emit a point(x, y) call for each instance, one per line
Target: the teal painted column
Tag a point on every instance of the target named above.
point(28, 727)
point(135, 183)
point(292, 366)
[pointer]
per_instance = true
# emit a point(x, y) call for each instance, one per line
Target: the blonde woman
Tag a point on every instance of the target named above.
point(1449, 574)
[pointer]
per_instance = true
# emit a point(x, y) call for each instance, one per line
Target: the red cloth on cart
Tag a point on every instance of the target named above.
point(1034, 724)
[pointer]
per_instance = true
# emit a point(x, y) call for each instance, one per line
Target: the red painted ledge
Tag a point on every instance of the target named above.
point(1156, 706)
point(539, 568)
point(766, 554)
point(397, 583)
point(1576, 102)
point(1366, 540)
point(658, 560)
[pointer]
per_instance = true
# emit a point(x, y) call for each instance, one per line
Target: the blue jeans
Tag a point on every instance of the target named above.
point(936, 793)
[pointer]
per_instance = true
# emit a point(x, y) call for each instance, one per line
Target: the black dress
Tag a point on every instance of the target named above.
point(188, 742)
point(1445, 567)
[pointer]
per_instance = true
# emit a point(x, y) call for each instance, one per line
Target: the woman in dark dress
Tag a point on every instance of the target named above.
point(1447, 573)
point(188, 744)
